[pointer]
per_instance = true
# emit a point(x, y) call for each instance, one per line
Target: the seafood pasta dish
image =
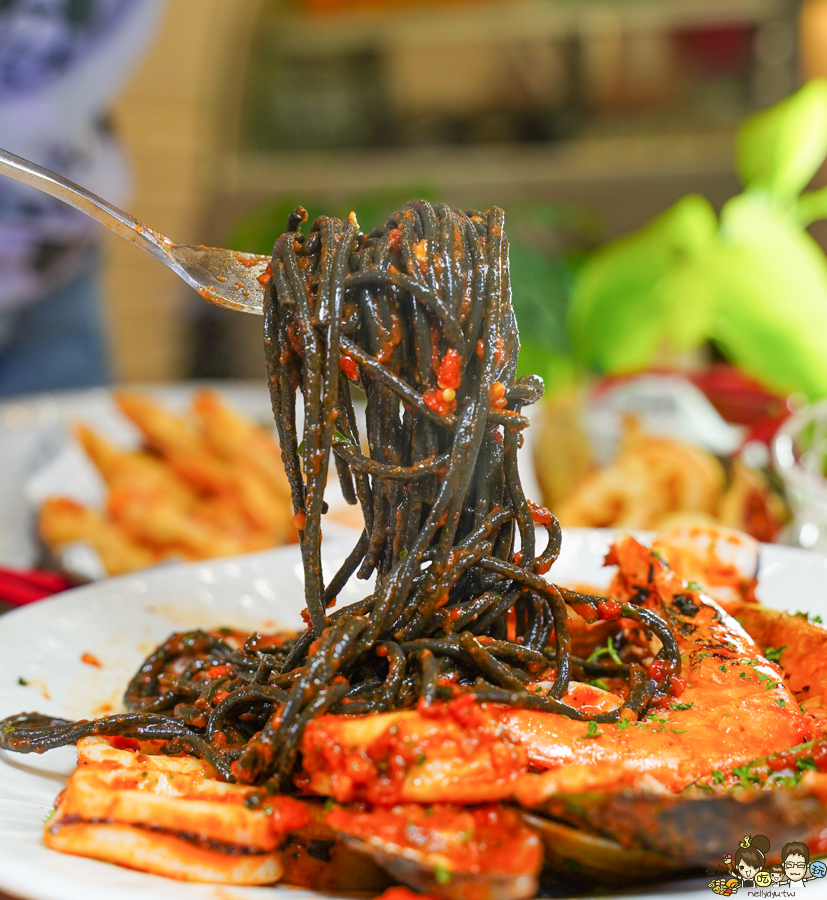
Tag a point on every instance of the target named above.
point(469, 729)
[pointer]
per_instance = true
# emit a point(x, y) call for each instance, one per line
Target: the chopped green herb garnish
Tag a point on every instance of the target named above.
point(609, 650)
point(22, 681)
point(591, 731)
point(420, 759)
point(623, 724)
point(773, 654)
point(225, 630)
point(694, 586)
point(780, 702)
point(675, 731)
point(679, 706)
point(600, 683)
point(806, 762)
point(717, 776)
point(48, 816)
point(329, 803)
point(722, 668)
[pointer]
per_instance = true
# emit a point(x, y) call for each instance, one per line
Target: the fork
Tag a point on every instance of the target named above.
point(227, 278)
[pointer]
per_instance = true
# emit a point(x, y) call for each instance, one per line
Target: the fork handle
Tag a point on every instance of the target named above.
point(114, 219)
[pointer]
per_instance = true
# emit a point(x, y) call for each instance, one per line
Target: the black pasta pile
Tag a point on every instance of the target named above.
point(417, 316)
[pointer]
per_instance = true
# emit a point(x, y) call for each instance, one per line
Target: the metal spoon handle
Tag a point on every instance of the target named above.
point(62, 189)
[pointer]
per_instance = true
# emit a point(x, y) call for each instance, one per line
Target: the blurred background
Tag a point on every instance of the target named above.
point(661, 165)
point(582, 118)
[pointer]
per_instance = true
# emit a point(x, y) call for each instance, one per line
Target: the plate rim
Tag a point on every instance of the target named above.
point(21, 886)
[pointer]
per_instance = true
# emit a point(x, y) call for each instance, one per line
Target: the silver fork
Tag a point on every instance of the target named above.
point(227, 278)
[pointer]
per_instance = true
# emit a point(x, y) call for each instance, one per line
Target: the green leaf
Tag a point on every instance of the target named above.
point(540, 291)
point(811, 206)
point(771, 306)
point(591, 732)
point(779, 150)
point(644, 293)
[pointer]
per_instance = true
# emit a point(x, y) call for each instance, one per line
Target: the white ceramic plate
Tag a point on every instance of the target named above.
point(121, 620)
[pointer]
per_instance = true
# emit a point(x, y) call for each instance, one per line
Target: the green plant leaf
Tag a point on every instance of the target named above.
point(771, 307)
point(811, 206)
point(645, 292)
point(779, 150)
point(540, 287)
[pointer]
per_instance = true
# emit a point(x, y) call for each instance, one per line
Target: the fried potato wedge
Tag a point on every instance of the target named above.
point(63, 521)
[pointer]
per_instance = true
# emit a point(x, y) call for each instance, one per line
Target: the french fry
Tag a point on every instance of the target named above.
point(152, 520)
point(190, 455)
point(209, 485)
point(170, 436)
point(233, 438)
point(136, 468)
point(63, 521)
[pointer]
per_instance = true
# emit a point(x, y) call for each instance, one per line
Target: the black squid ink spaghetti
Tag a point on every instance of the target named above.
point(417, 315)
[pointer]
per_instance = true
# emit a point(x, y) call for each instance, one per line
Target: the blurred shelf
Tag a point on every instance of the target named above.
point(347, 31)
point(496, 167)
